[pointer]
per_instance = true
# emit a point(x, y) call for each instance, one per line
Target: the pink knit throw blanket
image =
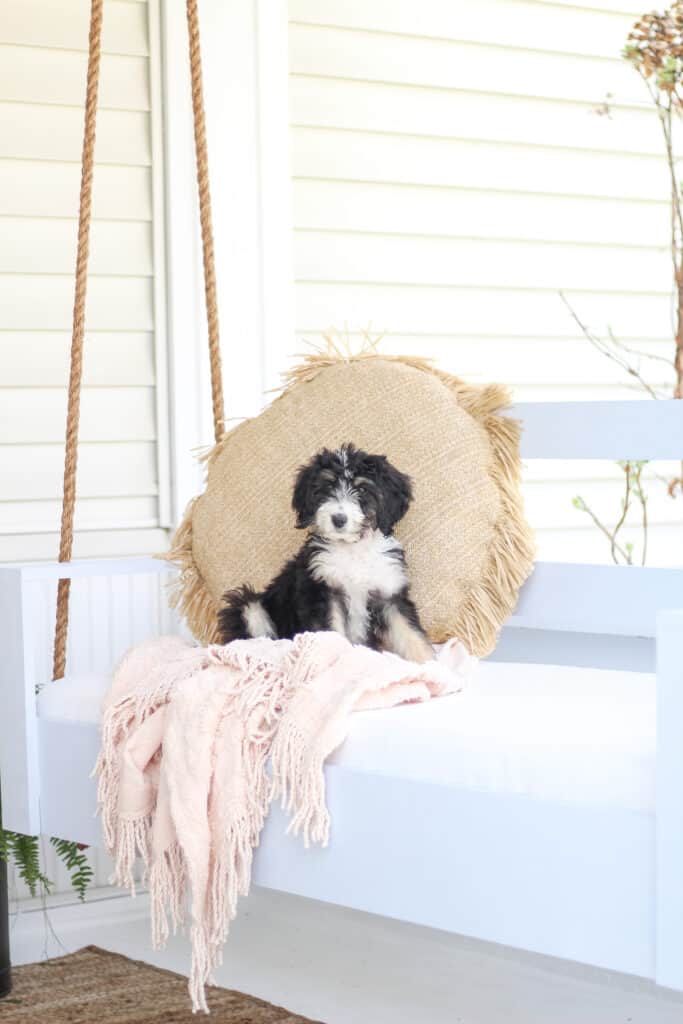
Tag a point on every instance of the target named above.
point(187, 735)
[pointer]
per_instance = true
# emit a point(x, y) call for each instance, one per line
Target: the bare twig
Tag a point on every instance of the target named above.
point(612, 353)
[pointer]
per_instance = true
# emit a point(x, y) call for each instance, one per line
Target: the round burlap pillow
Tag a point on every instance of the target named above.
point(467, 544)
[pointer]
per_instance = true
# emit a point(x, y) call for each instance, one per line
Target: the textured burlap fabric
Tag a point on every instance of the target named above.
point(94, 986)
point(468, 546)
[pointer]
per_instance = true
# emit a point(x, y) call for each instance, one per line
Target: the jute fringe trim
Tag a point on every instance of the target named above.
point(510, 553)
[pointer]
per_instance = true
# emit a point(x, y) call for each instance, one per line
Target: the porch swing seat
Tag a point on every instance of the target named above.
point(521, 811)
point(543, 732)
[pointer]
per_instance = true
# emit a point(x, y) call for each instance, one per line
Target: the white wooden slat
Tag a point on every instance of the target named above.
point(414, 209)
point(91, 514)
point(38, 246)
point(582, 29)
point(396, 259)
point(110, 359)
point(34, 472)
point(401, 109)
point(364, 156)
point(601, 430)
point(37, 132)
point(87, 544)
point(413, 60)
point(33, 75)
point(81, 568)
point(37, 415)
point(477, 312)
point(669, 816)
point(548, 503)
point(585, 544)
point(37, 302)
point(41, 189)
point(64, 23)
point(530, 361)
point(620, 600)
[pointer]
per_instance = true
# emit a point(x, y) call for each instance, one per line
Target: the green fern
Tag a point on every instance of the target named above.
point(76, 864)
point(25, 852)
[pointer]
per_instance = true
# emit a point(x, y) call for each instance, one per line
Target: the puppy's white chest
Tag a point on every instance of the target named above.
point(357, 570)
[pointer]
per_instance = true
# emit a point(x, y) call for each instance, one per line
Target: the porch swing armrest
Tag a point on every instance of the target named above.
point(122, 596)
point(82, 567)
point(19, 758)
point(669, 802)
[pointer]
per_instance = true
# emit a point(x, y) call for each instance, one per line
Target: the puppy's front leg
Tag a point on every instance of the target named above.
point(403, 634)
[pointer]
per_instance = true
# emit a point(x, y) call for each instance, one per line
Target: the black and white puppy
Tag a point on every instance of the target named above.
point(350, 575)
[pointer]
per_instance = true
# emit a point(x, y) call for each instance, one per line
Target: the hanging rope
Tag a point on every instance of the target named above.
point(78, 328)
point(77, 336)
point(205, 218)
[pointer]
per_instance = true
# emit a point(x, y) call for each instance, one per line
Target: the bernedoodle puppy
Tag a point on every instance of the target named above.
point(350, 574)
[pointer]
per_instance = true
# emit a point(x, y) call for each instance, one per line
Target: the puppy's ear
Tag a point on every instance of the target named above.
point(396, 494)
point(303, 497)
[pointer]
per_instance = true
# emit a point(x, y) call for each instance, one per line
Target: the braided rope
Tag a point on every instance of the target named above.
point(78, 329)
point(205, 218)
point(77, 335)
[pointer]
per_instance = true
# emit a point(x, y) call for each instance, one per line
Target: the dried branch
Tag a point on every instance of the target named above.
point(612, 353)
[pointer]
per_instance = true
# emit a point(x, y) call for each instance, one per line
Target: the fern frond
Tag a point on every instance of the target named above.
point(76, 863)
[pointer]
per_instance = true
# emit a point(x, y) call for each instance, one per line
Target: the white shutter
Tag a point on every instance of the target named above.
point(123, 477)
point(452, 175)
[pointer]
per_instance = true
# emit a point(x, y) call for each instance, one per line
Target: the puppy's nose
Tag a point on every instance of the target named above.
point(339, 520)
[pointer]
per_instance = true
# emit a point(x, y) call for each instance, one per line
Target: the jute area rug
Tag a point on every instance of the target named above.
point(93, 986)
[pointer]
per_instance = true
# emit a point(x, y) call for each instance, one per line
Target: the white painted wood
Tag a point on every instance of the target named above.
point(581, 29)
point(244, 57)
point(669, 884)
point(618, 600)
point(87, 544)
point(20, 517)
point(476, 312)
point(188, 369)
point(397, 208)
point(38, 75)
point(162, 395)
point(64, 24)
point(43, 302)
point(38, 414)
point(452, 175)
point(398, 259)
point(37, 132)
point(275, 189)
point(365, 102)
point(36, 246)
point(601, 430)
point(543, 889)
point(19, 772)
point(111, 469)
point(33, 188)
point(452, 163)
point(111, 359)
point(43, 60)
point(458, 65)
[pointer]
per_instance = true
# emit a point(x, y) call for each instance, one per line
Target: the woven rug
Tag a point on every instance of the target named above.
point(93, 986)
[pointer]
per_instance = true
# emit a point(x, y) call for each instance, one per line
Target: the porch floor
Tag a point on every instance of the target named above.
point(344, 967)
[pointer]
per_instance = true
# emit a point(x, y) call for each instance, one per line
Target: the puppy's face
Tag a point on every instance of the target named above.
point(345, 493)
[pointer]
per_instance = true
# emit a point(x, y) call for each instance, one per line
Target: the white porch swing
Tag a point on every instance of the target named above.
point(547, 815)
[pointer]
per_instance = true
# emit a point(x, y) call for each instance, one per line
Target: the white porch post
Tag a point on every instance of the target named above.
point(244, 53)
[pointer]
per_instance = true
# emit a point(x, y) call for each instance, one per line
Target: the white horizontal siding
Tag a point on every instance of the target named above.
point(452, 175)
point(122, 485)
